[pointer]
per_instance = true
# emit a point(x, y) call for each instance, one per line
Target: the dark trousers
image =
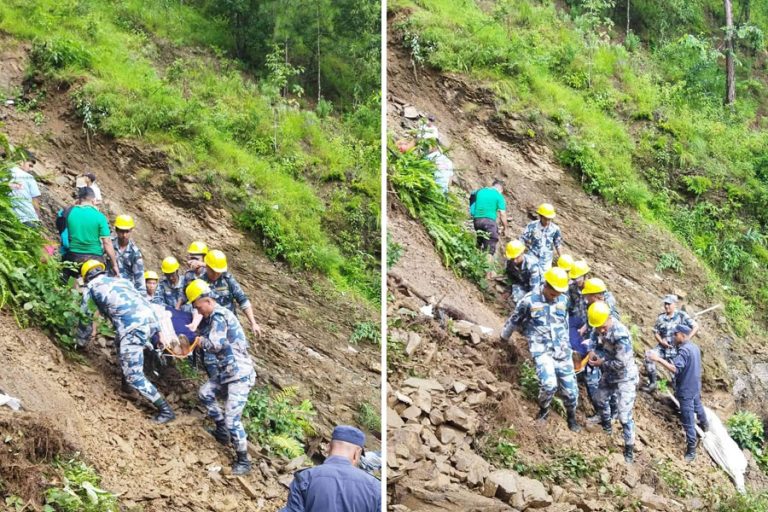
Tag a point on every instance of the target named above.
point(689, 409)
point(72, 257)
point(487, 235)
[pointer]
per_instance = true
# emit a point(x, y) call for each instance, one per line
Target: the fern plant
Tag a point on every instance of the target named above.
point(279, 420)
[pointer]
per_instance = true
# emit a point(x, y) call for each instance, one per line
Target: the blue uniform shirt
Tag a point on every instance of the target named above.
point(335, 486)
point(688, 375)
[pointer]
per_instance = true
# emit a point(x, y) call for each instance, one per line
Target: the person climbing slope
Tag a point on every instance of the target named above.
point(24, 193)
point(664, 331)
point(487, 207)
point(135, 324)
point(612, 353)
point(129, 260)
point(523, 271)
point(686, 367)
point(223, 338)
point(542, 237)
point(542, 317)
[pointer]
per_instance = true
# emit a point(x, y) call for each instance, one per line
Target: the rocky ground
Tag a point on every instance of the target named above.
point(307, 326)
point(454, 391)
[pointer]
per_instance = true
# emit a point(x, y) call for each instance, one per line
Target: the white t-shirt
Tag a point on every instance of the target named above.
point(444, 171)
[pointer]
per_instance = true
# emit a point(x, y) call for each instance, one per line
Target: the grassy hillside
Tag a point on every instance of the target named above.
point(305, 182)
point(638, 115)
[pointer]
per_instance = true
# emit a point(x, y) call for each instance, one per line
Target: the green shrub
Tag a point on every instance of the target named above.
point(368, 417)
point(279, 421)
point(412, 178)
point(748, 502)
point(80, 490)
point(670, 261)
point(366, 331)
point(59, 52)
point(747, 430)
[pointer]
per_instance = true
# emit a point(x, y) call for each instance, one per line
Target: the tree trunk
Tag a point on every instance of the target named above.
point(318, 52)
point(628, 2)
point(730, 81)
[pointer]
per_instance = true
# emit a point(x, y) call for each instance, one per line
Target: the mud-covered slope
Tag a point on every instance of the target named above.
point(306, 323)
point(620, 247)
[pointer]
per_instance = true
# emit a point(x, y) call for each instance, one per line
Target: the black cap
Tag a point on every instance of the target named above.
point(90, 176)
point(29, 156)
point(86, 193)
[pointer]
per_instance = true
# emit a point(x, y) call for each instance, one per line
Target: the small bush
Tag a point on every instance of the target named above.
point(670, 261)
point(58, 53)
point(368, 416)
point(279, 421)
point(394, 252)
point(747, 430)
point(80, 490)
point(677, 481)
point(366, 331)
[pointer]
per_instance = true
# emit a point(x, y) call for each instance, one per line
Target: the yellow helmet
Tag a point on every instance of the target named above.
point(546, 210)
point(565, 262)
point(169, 265)
point(90, 265)
point(593, 285)
point(151, 274)
point(514, 249)
point(216, 261)
point(124, 222)
point(197, 289)
point(598, 313)
point(579, 268)
point(197, 247)
point(557, 279)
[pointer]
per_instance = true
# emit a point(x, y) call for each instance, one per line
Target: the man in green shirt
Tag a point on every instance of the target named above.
point(486, 206)
point(88, 232)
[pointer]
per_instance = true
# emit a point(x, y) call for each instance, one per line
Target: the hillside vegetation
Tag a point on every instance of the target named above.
point(638, 114)
point(302, 175)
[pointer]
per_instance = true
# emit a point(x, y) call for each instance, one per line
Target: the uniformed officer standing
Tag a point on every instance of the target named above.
point(169, 291)
point(687, 369)
point(542, 237)
point(611, 345)
point(664, 331)
point(129, 259)
point(523, 271)
point(135, 323)
point(542, 317)
point(337, 485)
point(223, 339)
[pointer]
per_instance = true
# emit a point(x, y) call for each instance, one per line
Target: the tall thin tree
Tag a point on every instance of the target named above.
point(730, 79)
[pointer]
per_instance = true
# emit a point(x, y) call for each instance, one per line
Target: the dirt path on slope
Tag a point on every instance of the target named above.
point(306, 324)
point(620, 247)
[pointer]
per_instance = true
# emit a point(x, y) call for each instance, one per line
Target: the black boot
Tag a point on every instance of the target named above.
point(607, 427)
point(220, 433)
point(629, 453)
point(572, 424)
point(690, 453)
point(165, 413)
point(651, 387)
point(543, 415)
point(242, 465)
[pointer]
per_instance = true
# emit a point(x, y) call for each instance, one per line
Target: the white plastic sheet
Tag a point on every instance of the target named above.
point(724, 450)
point(12, 402)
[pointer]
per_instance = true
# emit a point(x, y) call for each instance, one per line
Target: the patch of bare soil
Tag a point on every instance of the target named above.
point(306, 324)
point(481, 379)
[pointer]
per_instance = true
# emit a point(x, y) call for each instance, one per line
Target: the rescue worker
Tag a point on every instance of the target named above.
point(487, 207)
point(577, 309)
point(687, 370)
point(595, 290)
point(565, 262)
point(612, 352)
point(337, 485)
point(170, 291)
point(523, 271)
point(195, 266)
point(129, 259)
point(226, 289)
point(135, 323)
point(223, 337)
point(151, 279)
point(664, 331)
point(542, 237)
point(542, 317)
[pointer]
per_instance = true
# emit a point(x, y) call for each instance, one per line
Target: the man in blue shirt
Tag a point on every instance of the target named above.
point(337, 485)
point(687, 370)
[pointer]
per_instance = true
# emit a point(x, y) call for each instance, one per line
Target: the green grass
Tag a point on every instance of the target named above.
point(641, 124)
point(368, 416)
point(306, 187)
point(79, 490)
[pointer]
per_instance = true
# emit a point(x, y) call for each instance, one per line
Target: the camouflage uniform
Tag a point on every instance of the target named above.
point(131, 264)
point(593, 373)
point(665, 327)
point(224, 339)
point(227, 291)
point(619, 376)
point(545, 325)
point(168, 294)
point(135, 323)
point(542, 242)
point(525, 278)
